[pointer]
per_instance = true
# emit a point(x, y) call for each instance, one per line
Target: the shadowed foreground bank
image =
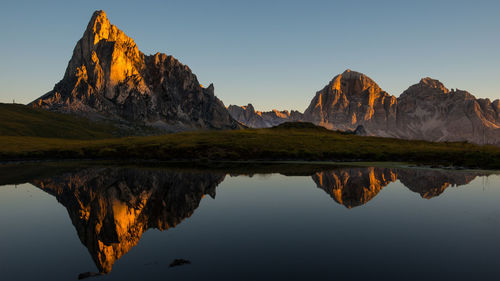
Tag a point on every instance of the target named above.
point(280, 143)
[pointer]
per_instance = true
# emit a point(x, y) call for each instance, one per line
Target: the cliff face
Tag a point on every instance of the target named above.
point(108, 77)
point(426, 111)
point(352, 99)
point(248, 116)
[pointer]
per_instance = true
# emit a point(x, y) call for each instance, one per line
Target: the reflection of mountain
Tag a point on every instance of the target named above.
point(431, 183)
point(353, 187)
point(111, 207)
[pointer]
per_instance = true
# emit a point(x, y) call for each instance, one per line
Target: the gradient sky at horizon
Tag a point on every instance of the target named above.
point(273, 54)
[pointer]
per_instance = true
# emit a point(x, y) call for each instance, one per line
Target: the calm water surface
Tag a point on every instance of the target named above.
point(337, 223)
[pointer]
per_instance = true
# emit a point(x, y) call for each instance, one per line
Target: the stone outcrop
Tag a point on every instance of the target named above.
point(109, 78)
point(249, 117)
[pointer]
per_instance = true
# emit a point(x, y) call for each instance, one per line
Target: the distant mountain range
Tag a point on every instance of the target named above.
point(108, 78)
point(425, 111)
point(258, 119)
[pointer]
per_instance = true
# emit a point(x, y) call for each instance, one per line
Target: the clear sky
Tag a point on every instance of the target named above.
point(273, 54)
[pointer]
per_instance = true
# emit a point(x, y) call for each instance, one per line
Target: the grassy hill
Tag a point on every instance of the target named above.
point(286, 142)
point(22, 120)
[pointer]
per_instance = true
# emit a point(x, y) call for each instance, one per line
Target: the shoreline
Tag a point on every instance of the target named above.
point(221, 164)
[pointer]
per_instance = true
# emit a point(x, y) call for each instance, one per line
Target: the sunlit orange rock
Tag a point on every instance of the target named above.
point(425, 111)
point(109, 78)
point(352, 99)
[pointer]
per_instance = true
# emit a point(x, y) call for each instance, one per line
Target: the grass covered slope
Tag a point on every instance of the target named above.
point(285, 142)
point(23, 120)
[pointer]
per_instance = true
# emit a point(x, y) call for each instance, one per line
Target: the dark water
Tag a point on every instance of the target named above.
point(344, 223)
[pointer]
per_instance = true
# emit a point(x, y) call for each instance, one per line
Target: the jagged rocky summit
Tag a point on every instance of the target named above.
point(258, 119)
point(428, 110)
point(425, 111)
point(353, 102)
point(109, 78)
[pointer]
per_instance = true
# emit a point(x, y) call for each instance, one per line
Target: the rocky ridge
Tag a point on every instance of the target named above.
point(353, 102)
point(248, 116)
point(425, 111)
point(109, 78)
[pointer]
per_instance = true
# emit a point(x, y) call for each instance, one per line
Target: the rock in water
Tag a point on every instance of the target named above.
point(109, 78)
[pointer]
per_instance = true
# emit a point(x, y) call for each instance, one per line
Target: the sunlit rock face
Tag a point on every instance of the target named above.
point(425, 111)
point(108, 77)
point(352, 99)
point(353, 187)
point(249, 117)
point(112, 207)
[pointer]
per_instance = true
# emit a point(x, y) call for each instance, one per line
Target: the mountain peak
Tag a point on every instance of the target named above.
point(349, 74)
point(98, 15)
point(433, 83)
point(352, 82)
point(100, 29)
point(98, 22)
point(248, 107)
point(108, 77)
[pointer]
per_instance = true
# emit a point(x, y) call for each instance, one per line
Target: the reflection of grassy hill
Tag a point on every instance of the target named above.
point(286, 143)
point(22, 120)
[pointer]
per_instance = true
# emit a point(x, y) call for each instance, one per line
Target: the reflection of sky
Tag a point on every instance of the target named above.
point(270, 53)
point(274, 227)
point(38, 241)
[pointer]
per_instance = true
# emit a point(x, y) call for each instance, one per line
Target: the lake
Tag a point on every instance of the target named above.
point(256, 222)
